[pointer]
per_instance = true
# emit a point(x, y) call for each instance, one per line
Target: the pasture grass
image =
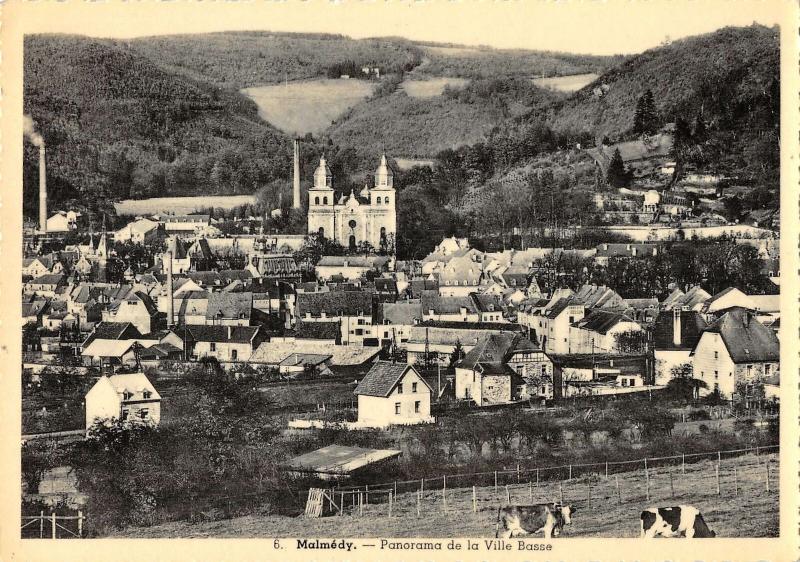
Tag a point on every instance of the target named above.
point(180, 205)
point(431, 88)
point(567, 84)
point(605, 517)
point(308, 106)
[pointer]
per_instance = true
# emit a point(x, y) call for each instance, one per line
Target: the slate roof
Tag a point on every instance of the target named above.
point(692, 326)
point(404, 313)
point(382, 378)
point(273, 352)
point(746, 339)
point(334, 303)
point(601, 321)
point(135, 383)
point(317, 330)
point(229, 305)
point(49, 279)
point(384, 285)
point(559, 307)
point(219, 334)
point(353, 261)
point(432, 300)
point(113, 331)
point(496, 348)
point(302, 359)
point(278, 265)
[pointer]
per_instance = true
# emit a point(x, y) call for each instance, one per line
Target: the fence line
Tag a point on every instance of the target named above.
point(528, 471)
point(52, 521)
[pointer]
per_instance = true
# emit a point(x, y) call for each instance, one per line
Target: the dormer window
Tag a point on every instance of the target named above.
point(146, 394)
point(127, 395)
point(400, 388)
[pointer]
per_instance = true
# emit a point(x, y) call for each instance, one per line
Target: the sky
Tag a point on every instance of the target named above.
point(589, 26)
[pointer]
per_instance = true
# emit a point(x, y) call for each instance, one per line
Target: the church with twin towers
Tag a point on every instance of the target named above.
point(369, 215)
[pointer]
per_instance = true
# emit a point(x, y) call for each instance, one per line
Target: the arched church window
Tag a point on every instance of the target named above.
point(324, 200)
point(386, 200)
point(377, 200)
point(316, 200)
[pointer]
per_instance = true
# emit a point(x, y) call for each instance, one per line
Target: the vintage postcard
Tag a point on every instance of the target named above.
point(399, 280)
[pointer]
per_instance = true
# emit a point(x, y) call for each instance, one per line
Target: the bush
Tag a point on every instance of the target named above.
point(699, 415)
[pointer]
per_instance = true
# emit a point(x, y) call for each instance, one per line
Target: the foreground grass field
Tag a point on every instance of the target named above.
point(307, 106)
point(601, 512)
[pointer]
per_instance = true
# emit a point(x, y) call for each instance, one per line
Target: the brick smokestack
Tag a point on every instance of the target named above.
point(170, 291)
point(676, 327)
point(42, 190)
point(296, 176)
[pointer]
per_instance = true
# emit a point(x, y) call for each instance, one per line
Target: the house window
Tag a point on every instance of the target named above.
point(146, 394)
point(397, 408)
point(144, 413)
point(234, 354)
point(127, 395)
point(716, 375)
point(212, 346)
point(767, 369)
point(716, 355)
point(416, 407)
point(413, 387)
point(400, 388)
point(632, 382)
point(624, 382)
point(124, 415)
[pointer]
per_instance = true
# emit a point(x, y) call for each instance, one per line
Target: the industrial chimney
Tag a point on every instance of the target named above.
point(296, 177)
point(170, 291)
point(42, 190)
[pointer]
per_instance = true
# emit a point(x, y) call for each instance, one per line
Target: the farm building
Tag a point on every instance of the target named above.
point(337, 461)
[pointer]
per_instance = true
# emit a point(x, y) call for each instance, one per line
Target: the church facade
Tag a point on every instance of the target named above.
point(368, 216)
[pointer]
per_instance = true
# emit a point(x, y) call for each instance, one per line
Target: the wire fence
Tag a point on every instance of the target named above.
point(731, 472)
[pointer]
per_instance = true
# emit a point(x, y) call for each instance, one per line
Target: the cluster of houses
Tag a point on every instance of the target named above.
point(481, 316)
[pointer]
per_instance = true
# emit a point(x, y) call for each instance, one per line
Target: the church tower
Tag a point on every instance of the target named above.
point(321, 218)
point(382, 201)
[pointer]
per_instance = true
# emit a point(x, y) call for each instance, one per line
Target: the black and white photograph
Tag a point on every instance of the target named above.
point(479, 275)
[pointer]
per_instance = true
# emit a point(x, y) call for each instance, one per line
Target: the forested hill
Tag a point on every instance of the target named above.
point(117, 125)
point(727, 75)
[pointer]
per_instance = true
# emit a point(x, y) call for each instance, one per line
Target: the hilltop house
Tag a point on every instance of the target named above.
point(393, 394)
point(735, 349)
point(504, 368)
point(123, 397)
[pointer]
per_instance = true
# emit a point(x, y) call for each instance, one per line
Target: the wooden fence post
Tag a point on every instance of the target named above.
point(683, 463)
point(717, 472)
point(570, 473)
point(606, 470)
point(80, 524)
point(54, 520)
point(444, 492)
point(390, 503)
point(422, 485)
point(495, 483)
point(517, 473)
point(41, 524)
point(646, 480)
point(735, 483)
point(561, 492)
point(419, 497)
point(395, 488)
point(537, 477)
point(508, 495)
point(474, 501)
point(619, 496)
point(530, 490)
point(341, 505)
point(361, 504)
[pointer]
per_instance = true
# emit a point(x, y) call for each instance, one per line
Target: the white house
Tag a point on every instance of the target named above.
point(63, 222)
point(728, 298)
point(393, 394)
point(675, 333)
point(123, 397)
point(224, 343)
point(735, 349)
point(552, 325)
point(138, 231)
point(598, 332)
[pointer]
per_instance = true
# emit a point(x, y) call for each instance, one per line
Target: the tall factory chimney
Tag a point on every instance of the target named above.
point(296, 177)
point(42, 190)
point(170, 291)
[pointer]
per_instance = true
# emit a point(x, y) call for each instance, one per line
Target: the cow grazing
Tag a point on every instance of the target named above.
point(679, 521)
point(528, 519)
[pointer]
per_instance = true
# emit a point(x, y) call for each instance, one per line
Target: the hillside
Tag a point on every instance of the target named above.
point(239, 60)
point(117, 125)
point(729, 76)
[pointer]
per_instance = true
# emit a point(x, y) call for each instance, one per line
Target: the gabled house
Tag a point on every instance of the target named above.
point(735, 349)
point(46, 285)
point(504, 368)
point(675, 333)
point(393, 394)
point(229, 309)
point(597, 332)
point(140, 231)
point(123, 397)
point(136, 308)
point(551, 327)
point(693, 299)
point(727, 298)
point(352, 309)
point(224, 343)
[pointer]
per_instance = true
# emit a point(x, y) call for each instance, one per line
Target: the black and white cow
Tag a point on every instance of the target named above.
point(678, 521)
point(528, 519)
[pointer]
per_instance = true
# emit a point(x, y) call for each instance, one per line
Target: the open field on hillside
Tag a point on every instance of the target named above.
point(452, 51)
point(180, 205)
point(431, 88)
point(601, 512)
point(566, 83)
point(408, 163)
point(307, 106)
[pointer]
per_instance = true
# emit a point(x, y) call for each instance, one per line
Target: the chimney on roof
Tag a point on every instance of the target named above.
point(230, 332)
point(676, 327)
point(170, 291)
point(633, 251)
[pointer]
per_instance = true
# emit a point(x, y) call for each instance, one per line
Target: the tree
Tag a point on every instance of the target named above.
point(645, 118)
point(733, 208)
point(457, 354)
point(617, 175)
point(682, 383)
point(631, 341)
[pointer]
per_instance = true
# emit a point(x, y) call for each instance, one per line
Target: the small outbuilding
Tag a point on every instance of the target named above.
point(337, 461)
